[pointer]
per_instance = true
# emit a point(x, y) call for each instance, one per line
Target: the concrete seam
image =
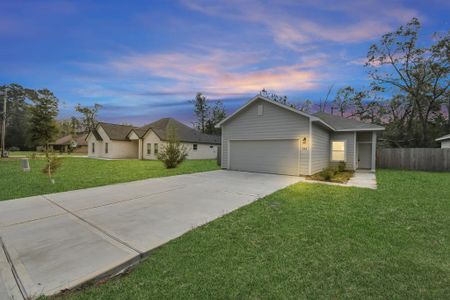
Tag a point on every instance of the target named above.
point(19, 283)
point(96, 227)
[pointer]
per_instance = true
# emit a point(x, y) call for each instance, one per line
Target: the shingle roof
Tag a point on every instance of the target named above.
point(66, 140)
point(184, 133)
point(340, 123)
point(115, 131)
point(443, 138)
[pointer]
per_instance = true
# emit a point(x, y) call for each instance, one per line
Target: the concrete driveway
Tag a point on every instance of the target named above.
point(58, 241)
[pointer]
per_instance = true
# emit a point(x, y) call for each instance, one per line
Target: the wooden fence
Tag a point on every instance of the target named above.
point(424, 159)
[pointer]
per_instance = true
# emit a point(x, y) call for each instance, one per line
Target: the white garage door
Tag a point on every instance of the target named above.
point(268, 156)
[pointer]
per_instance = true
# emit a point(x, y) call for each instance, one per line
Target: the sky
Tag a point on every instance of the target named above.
point(144, 60)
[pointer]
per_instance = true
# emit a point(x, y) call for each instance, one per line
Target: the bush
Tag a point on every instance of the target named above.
point(341, 166)
point(173, 153)
point(328, 173)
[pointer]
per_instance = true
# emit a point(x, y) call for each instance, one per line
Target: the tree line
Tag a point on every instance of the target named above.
point(408, 92)
point(31, 117)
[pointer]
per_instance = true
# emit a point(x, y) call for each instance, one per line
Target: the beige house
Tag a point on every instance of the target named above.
point(74, 143)
point(445, 141)
point(267, 136)
point(123, 141)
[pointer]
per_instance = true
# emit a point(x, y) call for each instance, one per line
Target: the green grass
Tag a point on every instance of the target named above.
point(77, 173)
point(15, 154)
point(309, 241)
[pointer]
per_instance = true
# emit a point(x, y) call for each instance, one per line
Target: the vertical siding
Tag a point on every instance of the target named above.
point(274, 123)
point(320, 156)
point(349, 138)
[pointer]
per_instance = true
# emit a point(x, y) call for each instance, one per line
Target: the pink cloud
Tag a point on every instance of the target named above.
point(221, 72)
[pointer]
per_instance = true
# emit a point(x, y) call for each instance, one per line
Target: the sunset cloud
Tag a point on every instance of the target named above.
point(221, 72)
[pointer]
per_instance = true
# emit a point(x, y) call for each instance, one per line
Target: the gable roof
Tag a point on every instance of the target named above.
point(344, 124)
point(115, 131)
point(334, 123)
point(66, 140)
point(443, 138)
point(184, 132)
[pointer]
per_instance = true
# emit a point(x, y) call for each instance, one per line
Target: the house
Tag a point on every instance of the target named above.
point(445, 141)
point(75, 143)
point(125, 141)
point(267, 136)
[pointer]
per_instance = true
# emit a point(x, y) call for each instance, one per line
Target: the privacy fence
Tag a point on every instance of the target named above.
point(424, 159)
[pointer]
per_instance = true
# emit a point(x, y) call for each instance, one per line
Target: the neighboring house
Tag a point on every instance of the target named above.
point(266, 136)
point(445, 141)
point(76, 142)
point(124, 141)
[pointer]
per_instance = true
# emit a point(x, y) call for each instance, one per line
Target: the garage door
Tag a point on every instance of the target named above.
point(269, 156)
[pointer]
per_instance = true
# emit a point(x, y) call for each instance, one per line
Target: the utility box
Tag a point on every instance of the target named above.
point(26, 165)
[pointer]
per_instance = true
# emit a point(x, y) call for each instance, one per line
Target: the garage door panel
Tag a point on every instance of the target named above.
point(268, 156)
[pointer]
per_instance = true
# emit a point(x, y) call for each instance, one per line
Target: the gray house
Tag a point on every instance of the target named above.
point(445, 141)
point(267, 136)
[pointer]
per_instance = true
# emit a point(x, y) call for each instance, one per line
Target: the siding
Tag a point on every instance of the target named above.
point(320, 156)
point(445, 144)
point(274, 123)
point(116, 149)
point(203, 150)
point(349, 138)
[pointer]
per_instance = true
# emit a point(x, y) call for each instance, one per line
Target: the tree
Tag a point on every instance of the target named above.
point(89, 120)
point(43, 127)
point(201, 111)
point(421, 73)
point(43, 113)
point(324, 103)
point(344, 99)
point(306, 106)
point(216, 114)
point(172, 153)
point(16, 115)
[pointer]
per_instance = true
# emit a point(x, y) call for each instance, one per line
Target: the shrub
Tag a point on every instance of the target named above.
point(328, 173)
point(341, 166)
point(53, 163)
point(173, 153)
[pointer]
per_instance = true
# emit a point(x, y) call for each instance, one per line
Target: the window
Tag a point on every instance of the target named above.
point(93, 147)
point(194, 147)
point(106, 148)
point(155, 147)
point(260, 110)
point(338, 151)
point(149, 149)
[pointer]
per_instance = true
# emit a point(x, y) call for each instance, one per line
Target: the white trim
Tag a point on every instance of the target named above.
point(354, 152)
point(268, 100)
point(363, 129)
point(299, 156)
point(331, 150)
point(228, 154)
point(443, 138)
point(310, 148)
point(374, 151)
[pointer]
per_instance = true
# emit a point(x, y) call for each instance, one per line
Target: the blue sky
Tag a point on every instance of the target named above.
point(143, 60)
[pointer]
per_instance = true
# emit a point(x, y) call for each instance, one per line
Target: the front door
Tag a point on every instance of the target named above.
point(364, 156)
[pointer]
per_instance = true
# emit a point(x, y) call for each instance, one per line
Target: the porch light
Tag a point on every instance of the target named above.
point(304, 141)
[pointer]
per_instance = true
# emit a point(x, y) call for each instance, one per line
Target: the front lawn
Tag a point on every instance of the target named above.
point(309, 241)
point(77, 173)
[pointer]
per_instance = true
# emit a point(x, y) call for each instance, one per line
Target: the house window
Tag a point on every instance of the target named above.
point(194, 147)
point(338, 151)
point(260, 110)
point(106, 148)
point(155, 147)
point(93, 147)
point(149, 149)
